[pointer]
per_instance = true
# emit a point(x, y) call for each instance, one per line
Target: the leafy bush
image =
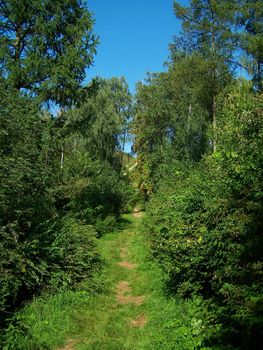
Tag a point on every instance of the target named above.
point(25, 199)
point(73, 254)
point(90, 189)
point(205, 225)
point(47, 174)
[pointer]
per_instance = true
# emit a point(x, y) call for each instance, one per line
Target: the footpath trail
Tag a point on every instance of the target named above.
point(133, 312)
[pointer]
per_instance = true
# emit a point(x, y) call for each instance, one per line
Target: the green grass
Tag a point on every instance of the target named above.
point(98, 321)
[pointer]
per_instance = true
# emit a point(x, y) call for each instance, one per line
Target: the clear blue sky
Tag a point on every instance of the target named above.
point(134, 37)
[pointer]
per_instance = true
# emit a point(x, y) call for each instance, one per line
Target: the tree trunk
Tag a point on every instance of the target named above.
point(62, 158)
point(214, 122)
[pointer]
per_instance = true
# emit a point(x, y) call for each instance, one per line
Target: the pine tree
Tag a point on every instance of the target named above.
point(250, 21)
point(45, 47)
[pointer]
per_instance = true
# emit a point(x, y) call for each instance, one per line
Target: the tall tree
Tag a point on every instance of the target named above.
point(207, 29)
point(250, 20)
point(45, 47)
point(170, 119)
point(102, 118)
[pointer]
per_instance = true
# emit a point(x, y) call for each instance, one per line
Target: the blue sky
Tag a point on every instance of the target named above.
point(134, 37)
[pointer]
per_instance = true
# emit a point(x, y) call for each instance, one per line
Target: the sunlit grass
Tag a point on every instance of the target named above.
point(98, 321)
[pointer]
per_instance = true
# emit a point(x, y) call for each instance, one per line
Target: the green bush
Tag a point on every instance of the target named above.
point(73, 254)
point(205, 228)
point(91, 190)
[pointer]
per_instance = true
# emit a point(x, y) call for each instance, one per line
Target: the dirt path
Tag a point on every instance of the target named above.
point(123, 286)
point(132, 313)
point(137, 213)
point(123, 304)
point(69, 346)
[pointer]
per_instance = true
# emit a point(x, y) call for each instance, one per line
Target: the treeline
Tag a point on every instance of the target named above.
point(61, 143)
point(198, 139)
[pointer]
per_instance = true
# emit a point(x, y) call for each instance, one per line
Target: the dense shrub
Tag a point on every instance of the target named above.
point(73, 254)
point(90, 189)
point(205, 227)
point(25, 198)
point(52, 188)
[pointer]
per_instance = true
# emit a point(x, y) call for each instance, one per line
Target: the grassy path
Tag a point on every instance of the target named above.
point(133, 312)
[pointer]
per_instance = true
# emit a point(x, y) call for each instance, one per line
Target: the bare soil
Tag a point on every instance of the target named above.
point(127, 265)
point(129, 299)
point(69, 346)
point(123, 253)
point(139, 322)
point(137, 214)
point(123, 288)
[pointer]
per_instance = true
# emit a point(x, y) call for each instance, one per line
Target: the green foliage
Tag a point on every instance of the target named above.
point(46, 47)
point(205, 216)
point(59, 175)
point(25, 200)
point(249, 20)
point(65, 179)
point(204, 227)
point(92, 185)
point(90, 189)
point(45, 322)
point(102, 118)
point(73, 255)
point(207, 28)
point(54, 185)
point(218, 29)
point(171, 119)
point(91, 320)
